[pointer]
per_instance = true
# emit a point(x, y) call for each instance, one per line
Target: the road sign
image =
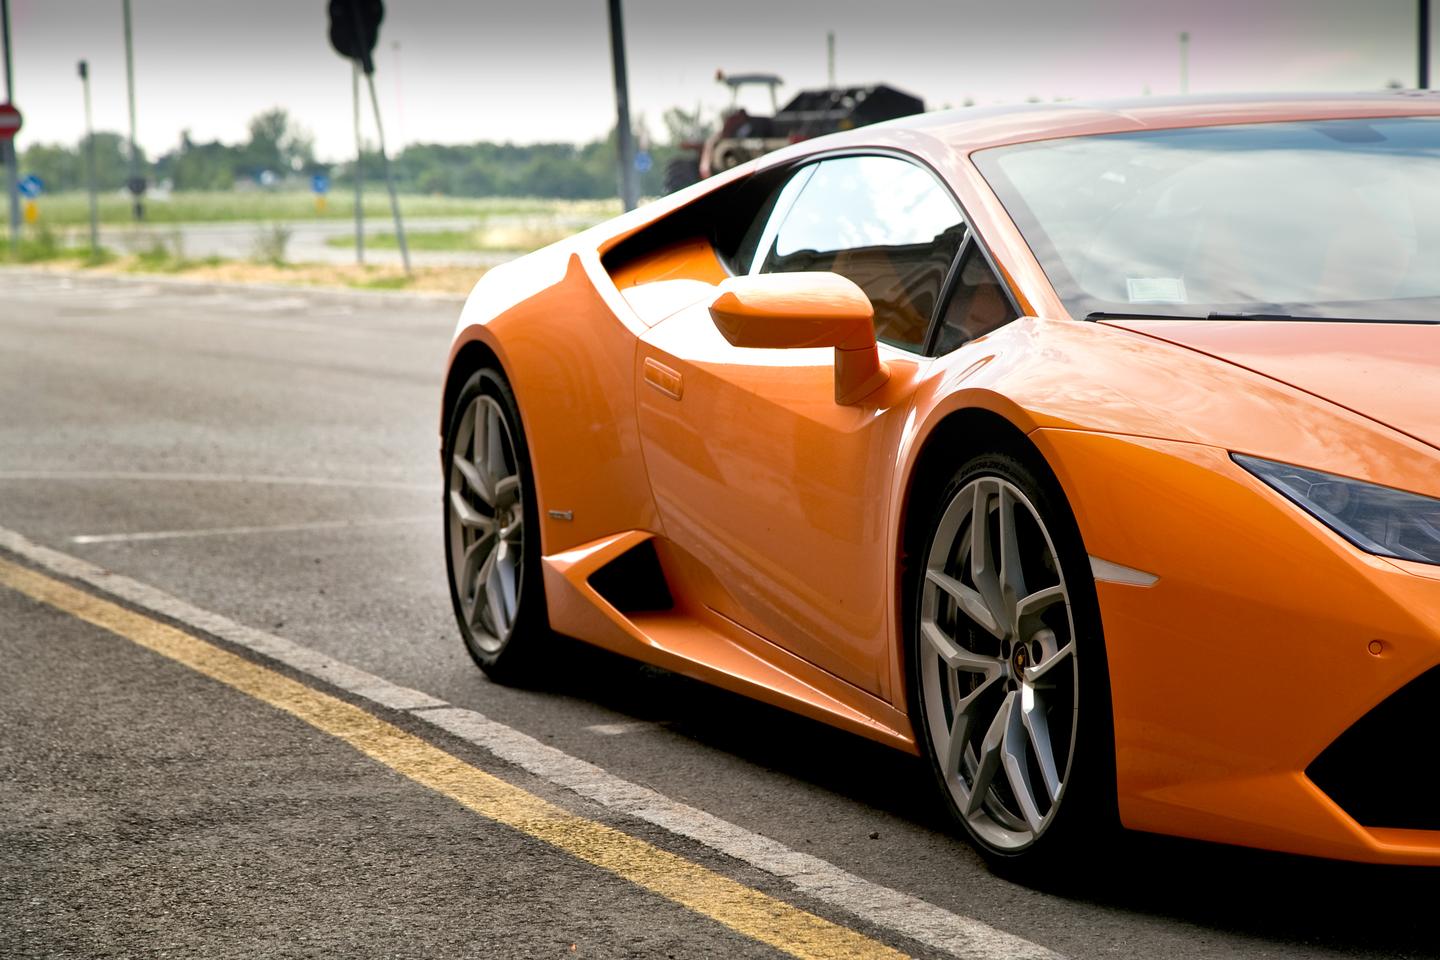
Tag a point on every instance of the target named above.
point(9, 121)
point(30, 186)
point(136, 186)
point(354, 28)
point(320, 183)
point(643, 163)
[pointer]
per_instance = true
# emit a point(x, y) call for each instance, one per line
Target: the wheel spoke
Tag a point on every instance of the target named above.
point(494, 445)
point(507, 488)
point(955, 656)
point(494, 591)
point(482, 590)
point(1012, 574)
point(963, 724)
point(982, 560)
point(1033, 675)
point(475, 479)
point(1039, 600)
point(468, 515)
point(971, 603)
point(989, 757)
point(469, 575)
point(509, 594)
point(1032, 714)
point(1014, 744)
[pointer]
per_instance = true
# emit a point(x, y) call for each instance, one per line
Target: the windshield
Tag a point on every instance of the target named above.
point(1334, 219)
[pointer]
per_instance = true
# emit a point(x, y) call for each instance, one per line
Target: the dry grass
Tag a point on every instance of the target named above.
point(457, 280)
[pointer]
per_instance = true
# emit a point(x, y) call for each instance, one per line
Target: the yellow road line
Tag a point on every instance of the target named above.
point(745, 910)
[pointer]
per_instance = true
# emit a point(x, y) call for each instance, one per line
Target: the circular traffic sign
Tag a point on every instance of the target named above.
point(9, 121)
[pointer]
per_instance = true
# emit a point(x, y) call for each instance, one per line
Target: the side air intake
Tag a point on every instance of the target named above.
point(633, 582)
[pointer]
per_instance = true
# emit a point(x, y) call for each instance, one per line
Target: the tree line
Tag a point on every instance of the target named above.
point(278, 152)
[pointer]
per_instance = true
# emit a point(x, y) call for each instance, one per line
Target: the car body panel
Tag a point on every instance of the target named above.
point(1385, 371)
point(779, 516)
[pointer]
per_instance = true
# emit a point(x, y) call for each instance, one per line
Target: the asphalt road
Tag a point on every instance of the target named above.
point(270, 457)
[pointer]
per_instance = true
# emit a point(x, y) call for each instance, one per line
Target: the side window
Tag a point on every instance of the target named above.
point(761, 234)
point(977, 304)
point(883, 223)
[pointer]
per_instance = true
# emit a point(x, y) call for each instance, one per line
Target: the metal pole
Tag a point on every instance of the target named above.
point(139, 208)
point(830, 56)
point(359, 171)
point(90, 165)
point(629, 188)
point(1184, 62)
point(1424, 44)
point(389, 177)
point(12, 171)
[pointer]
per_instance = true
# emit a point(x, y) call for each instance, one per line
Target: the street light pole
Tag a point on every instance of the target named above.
point(12, 169)
point(137, 186)
point(359, 172)
point(629, 189)
point(90, 164)
point(1424, 44)
point(1184, 61)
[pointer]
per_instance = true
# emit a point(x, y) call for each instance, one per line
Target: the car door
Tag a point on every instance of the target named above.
point(759, 475)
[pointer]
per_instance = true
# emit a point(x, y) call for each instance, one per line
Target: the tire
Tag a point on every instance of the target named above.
point(680, 173)
point(497, 590)
point(1009, 683)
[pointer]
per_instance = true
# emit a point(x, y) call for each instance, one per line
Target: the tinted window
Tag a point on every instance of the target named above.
point(881, 222)
point(977, 305)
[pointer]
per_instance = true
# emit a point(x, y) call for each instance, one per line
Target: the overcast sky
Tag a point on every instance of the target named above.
point(532, 70)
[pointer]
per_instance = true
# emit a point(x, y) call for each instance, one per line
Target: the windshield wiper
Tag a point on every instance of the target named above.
point(1217, 315)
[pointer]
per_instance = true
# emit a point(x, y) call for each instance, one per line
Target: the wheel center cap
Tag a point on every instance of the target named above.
point(1020, 659)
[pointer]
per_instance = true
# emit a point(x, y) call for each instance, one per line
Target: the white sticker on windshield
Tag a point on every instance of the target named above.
point(1156, 289)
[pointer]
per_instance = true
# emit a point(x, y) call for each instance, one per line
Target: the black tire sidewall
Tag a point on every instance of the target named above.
point(1087, 807)
point(511, 661)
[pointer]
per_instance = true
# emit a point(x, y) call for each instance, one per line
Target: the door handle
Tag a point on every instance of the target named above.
point(662, 378)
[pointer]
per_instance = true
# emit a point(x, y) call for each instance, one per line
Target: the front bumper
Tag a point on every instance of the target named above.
point(1265, 638)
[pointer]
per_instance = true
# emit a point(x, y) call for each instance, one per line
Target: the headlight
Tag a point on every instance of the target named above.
point(1380, 520)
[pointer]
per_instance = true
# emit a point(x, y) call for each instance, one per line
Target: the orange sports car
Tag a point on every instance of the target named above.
point(1090, 452)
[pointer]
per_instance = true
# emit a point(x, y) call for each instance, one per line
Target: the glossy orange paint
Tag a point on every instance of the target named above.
point(778, 515)
point(794, 310)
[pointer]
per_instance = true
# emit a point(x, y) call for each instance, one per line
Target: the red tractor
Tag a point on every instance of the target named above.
point(744, 136)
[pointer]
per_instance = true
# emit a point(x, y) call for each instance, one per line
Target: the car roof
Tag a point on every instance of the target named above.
point(976, 128)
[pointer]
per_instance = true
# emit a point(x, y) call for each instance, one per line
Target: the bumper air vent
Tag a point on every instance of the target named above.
point(1381, 771)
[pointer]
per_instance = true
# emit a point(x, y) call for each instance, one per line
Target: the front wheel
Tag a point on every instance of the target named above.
point(1011, 690)
point(492, 542)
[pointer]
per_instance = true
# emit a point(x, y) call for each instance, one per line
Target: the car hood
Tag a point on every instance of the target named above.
point(1388, 372)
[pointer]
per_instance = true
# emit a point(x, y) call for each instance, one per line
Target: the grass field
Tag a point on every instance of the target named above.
point(520, 236)
point(72, 208)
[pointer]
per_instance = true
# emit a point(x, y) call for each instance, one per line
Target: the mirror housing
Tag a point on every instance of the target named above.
point(780, 311)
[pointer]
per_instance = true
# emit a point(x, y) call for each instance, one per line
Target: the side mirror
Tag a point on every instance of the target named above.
point(791, 310)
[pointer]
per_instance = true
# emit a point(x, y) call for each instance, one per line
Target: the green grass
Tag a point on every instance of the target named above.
point(42, 245)
point(72, 208)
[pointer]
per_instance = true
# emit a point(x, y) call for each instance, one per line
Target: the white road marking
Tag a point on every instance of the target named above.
point(229, 531)
point(908, 916)
point(617, 729)
point(277, 479)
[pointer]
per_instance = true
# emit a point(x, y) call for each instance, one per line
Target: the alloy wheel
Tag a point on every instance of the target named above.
point(487, 523)
point(999, 686)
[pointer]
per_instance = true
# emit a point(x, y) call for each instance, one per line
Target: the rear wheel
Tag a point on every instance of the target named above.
point(492, 546)
point(1008, 665)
